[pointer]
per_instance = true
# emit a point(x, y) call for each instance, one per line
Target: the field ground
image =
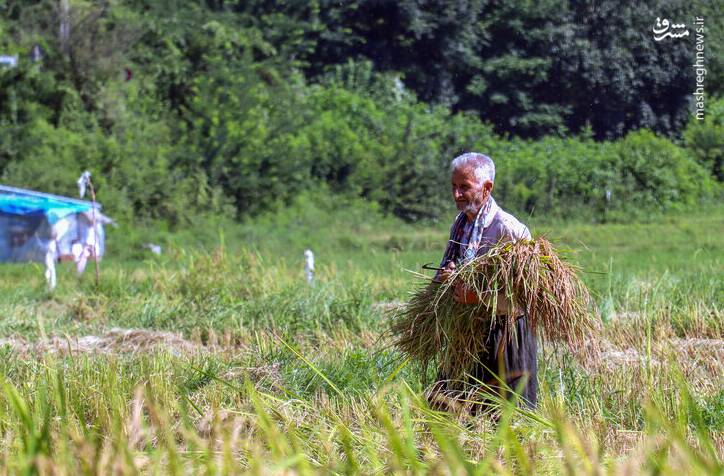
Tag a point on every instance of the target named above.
point(217, 357)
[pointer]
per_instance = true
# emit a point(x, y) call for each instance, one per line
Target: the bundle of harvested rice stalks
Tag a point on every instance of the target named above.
point(432, 326)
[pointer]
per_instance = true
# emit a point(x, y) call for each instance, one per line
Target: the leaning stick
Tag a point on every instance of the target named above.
point(96, 244)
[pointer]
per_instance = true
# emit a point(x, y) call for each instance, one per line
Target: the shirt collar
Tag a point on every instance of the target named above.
point(491, 212)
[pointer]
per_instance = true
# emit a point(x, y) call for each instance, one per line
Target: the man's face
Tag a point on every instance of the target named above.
point(468, 192)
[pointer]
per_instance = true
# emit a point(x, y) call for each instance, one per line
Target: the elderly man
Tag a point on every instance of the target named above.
point(510, 357)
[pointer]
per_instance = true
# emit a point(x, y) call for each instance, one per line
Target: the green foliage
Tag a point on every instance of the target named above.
point(131, 166)
point(635, 176)
point(218, 118)
point(656, 174)
point(705, 139)
point(243, 134)
point(530, 68)
point(383, 145)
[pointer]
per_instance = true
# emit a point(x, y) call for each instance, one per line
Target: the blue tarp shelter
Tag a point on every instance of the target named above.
point(41, 227)
point(30, 203)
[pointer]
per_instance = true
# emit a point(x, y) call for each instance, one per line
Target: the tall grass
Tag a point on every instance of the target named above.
point(236, 365)
point(160, 413)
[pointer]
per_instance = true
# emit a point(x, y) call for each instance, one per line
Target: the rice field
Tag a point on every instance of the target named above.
point(218, 358)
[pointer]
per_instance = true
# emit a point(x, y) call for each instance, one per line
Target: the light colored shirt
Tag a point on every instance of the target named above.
point(493, 225)
point(503, 227)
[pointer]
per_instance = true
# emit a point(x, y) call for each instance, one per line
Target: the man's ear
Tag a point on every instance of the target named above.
point(488, 186)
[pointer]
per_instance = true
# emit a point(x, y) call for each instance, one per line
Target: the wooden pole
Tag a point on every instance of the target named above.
point(96, 244)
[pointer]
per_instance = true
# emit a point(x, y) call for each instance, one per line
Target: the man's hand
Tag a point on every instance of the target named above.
point(461, 293)
point(465, 295)
point(446, 272)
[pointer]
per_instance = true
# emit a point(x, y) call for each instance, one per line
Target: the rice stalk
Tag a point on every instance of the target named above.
point(529, 274)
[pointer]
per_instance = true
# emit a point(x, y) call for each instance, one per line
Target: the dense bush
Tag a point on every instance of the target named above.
point(131, 166)
point(705, 139)
point(639, 174)
point(215, 119)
